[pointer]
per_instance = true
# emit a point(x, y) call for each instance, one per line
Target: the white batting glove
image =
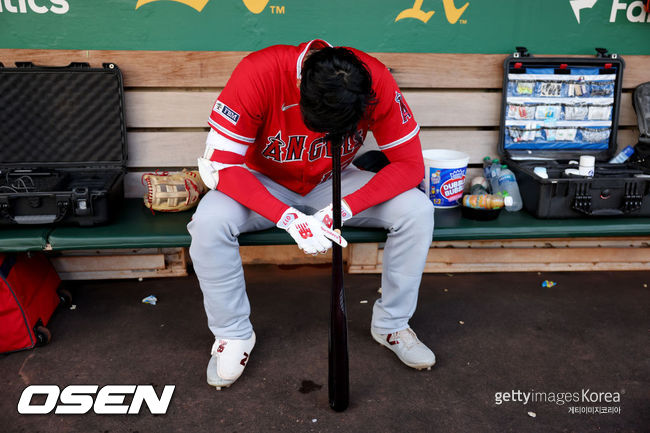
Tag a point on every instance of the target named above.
point(310, 234)
point(325, 214)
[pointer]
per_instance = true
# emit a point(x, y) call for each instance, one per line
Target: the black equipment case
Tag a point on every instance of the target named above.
point(63, 144)
point(554, 110)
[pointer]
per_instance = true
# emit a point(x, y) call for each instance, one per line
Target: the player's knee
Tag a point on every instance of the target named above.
point(423, 211)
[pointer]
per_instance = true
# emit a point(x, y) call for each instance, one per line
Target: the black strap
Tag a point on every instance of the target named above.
point(7, 264)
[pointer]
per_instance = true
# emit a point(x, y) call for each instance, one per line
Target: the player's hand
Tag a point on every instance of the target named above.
point(325, 214)
point(311, 235)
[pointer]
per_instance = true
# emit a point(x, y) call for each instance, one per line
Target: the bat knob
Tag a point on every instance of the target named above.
point(337, 231)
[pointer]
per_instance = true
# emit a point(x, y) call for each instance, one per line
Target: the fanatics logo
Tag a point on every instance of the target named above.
point(226, 112)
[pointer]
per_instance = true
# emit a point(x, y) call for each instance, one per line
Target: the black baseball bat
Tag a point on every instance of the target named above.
point(338, 379)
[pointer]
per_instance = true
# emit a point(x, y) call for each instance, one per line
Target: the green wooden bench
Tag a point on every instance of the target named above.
point(136, 227)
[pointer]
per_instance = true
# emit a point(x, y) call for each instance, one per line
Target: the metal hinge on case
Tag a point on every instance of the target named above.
point(582, 199)
point(633, 199)
point(602, 52)
point(521, 52)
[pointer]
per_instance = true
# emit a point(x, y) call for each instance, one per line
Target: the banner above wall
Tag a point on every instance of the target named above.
point(451, 26)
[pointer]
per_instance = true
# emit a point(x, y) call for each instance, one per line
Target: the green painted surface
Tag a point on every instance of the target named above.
point(137, 227)
point(483, 26)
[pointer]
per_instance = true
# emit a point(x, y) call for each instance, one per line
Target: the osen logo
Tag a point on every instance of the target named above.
point(80, 399)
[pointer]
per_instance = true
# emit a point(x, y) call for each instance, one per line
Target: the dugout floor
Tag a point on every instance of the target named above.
point(492, 333)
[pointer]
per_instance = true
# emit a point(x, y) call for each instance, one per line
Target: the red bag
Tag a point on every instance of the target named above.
point(28, 297)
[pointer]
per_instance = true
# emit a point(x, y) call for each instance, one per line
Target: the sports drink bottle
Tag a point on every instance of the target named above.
point(486, 201)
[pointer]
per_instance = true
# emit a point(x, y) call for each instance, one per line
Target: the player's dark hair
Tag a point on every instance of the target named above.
point(335, 91)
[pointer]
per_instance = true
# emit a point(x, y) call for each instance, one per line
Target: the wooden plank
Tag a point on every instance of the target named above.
point(124, 274)
point(176, 109)
point(535, 267)
point(594, 242)
point(213, 68)
point(125, 263)
point(537, 255)
point(425, 70)
point(283, 255)
point(108, 262)
point(180, 149)
point(565, 254)
point(526, 267)
point(143, 68)
point(363, 254)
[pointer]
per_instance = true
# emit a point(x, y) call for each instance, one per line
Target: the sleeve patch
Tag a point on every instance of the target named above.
point(406, 114)
point(226, 112)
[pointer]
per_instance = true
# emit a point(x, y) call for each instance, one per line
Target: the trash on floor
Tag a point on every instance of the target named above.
point(363, 302)
point(151, 299)
point(532, 414)
point(548, 283)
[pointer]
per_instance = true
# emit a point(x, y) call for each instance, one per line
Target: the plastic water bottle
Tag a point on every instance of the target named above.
point(507, 186)
point(622, 156)
point(487, 162)
point(495, 171)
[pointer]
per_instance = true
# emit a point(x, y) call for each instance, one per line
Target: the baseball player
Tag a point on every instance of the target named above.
point(267, 162)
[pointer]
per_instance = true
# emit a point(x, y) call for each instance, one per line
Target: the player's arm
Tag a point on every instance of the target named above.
point(222, 168)
point(404, 172)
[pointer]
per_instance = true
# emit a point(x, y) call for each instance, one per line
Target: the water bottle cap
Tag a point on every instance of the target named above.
point(504, 166)
point(508, 200)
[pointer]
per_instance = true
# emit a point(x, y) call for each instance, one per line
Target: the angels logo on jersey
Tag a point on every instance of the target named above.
point(406, 115)
point(279, 150)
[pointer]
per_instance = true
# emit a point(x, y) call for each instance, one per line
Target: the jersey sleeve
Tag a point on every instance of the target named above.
point(392, 122)
point(239, 110)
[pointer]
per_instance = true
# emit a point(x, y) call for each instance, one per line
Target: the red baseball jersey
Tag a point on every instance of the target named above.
point(258, 109)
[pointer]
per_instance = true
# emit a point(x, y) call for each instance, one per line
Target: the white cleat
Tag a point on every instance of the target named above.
point(229, 358)
point(407, 347)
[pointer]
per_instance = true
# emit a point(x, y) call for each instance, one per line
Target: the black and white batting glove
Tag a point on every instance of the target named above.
point(311, 235)
point(325, 214)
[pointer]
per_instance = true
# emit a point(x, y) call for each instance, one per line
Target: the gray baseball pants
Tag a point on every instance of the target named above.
point(219, 220)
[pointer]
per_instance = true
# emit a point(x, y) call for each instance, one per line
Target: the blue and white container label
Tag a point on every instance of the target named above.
point(446, 186)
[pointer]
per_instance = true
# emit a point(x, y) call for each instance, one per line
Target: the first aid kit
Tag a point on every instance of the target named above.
point(558, 130)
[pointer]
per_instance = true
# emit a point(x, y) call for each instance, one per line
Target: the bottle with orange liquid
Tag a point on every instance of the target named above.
point(486, 201)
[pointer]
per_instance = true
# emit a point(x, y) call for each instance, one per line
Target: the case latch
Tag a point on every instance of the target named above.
point(633, 199)
point(521, 52)
point(81, 200)
point(582, 199)
point(602, 53)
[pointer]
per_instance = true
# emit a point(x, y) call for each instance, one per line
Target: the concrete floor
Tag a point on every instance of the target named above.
point(492, 333)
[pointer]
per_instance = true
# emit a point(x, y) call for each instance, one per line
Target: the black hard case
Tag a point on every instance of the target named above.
point(612, 191)
point(63, 146)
